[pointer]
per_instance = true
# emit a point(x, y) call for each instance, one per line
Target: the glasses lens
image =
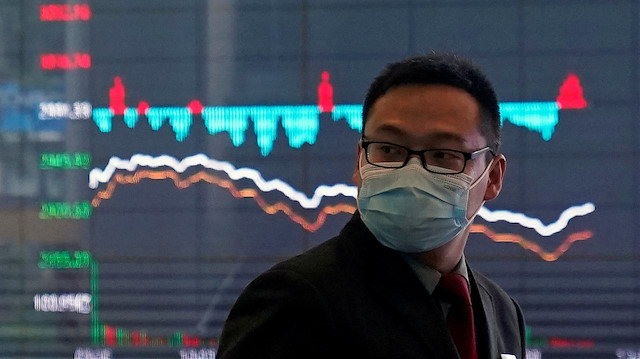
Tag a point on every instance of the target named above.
point(386, 154)
point(444, 161)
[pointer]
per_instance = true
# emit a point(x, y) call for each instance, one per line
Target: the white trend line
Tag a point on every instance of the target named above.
point(534, 223)
point(96, 176)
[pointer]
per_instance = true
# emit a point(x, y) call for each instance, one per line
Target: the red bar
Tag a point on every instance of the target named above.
point(116, 97)
point(195, 107)
point(571, 94)
point(189, 341)
point(325, 93)
point(143, 107)
point(571, 343)
point(110, 334)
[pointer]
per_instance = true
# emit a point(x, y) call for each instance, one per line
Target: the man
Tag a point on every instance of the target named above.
point(388, 286)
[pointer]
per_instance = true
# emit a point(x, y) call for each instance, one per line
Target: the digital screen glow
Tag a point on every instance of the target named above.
point(155, 157)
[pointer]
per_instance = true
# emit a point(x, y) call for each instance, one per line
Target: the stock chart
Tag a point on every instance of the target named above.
point(156, 156)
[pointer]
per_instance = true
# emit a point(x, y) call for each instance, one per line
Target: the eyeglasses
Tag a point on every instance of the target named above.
point(442, 161)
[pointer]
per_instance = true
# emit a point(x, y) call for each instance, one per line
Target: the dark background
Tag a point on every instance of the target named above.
point(174, 260)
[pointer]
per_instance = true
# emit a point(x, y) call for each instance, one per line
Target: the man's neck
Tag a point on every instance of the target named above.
point(444, 258)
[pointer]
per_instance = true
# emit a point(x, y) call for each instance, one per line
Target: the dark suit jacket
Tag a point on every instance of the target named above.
point(351, 297)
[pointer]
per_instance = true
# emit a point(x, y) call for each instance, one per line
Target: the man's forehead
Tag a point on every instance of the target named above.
point(426, 115)
point(390, 132)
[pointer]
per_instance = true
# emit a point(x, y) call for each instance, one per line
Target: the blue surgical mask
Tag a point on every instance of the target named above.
point(412, 210)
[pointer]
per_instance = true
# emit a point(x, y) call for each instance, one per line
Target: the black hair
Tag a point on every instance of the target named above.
point(441, 69)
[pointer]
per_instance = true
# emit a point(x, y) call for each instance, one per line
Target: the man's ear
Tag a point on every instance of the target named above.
point(496, 174)
point(355, 177)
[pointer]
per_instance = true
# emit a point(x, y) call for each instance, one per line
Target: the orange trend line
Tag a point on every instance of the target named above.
point(526, 244)
point(136, 177)
point(107, 193)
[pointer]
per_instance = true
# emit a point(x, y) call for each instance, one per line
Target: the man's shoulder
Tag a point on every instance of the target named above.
point(498, 295)
point(504, 314)
point(333, 256)
point(325, 259)
point(489, 285)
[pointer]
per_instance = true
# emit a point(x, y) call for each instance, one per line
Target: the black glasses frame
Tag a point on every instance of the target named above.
point(467, 155)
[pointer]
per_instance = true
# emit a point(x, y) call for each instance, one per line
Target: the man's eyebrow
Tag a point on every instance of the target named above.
point(447, 136)
point(388, 129)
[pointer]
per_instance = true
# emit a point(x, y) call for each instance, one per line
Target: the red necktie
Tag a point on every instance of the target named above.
point(453, 288)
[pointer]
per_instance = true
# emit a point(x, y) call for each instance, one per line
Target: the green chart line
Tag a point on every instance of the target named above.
point(77, 260)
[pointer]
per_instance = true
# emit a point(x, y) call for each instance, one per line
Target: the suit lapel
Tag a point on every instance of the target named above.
point(416, 307)
point(485, 320)
point(395, 283)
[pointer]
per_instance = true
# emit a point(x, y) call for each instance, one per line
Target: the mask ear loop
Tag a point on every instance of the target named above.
point(360, 154)
point(484, 173)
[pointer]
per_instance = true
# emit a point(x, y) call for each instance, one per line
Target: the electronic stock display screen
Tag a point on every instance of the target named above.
point(155, 156)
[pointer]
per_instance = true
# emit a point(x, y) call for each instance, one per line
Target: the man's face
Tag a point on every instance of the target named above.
point(434, 116)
